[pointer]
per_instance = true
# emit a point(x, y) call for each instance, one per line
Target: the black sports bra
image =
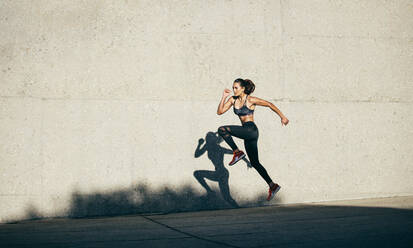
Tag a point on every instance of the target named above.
point(244, 110)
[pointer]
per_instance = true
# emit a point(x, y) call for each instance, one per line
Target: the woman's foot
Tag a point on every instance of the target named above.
point(272, 191)
point(238, 155)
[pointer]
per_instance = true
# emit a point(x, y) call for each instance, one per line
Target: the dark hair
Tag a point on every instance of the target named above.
point(247, 84)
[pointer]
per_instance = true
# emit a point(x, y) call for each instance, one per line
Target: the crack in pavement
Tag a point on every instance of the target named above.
point(189, 234)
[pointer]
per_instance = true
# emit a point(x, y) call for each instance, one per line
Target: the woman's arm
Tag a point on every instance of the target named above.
point(261, 102)
point(223, 107)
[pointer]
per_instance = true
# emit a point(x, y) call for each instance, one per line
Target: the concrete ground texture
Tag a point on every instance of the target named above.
point(376, 222)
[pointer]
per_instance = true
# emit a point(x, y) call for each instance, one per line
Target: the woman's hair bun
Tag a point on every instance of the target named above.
point(247, 84)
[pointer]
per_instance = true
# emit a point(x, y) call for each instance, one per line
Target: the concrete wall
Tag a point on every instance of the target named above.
point(103, 102)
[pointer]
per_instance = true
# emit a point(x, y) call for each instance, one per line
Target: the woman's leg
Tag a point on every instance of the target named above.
point(252, 152)
point(226, 132)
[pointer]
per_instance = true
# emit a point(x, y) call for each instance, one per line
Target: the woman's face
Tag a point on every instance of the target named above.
point(236, 87)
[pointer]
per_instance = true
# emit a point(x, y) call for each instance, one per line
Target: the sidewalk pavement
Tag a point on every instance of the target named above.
point(379, 222)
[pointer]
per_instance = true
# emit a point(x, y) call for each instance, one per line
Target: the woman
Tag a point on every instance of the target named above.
point(244, 105)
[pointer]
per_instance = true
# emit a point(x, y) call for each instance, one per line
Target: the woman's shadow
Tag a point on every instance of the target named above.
point(216, 154)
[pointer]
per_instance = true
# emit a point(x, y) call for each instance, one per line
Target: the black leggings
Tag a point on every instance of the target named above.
point(249, 133)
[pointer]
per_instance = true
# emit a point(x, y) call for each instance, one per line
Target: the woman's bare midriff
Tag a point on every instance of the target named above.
point(246, 118)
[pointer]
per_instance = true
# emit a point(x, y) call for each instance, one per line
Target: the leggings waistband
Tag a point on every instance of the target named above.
point(248, 123)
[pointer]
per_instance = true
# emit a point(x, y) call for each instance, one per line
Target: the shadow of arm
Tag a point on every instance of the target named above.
point(199, 151)
point(247, 162)
point(227, 151)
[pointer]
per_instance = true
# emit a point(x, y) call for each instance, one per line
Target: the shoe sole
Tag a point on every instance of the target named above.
point(275, 192)
point(243, 156)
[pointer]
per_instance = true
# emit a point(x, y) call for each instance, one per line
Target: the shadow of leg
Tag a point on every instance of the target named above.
point(200, 176)
point(220, 176)
point(224, 187)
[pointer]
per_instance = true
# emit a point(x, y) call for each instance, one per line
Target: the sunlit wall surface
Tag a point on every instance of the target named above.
point(103, 103)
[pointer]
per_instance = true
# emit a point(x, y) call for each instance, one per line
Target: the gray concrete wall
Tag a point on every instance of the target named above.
point(103, 102)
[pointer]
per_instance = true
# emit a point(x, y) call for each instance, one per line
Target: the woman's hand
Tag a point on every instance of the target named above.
point(226, 93)
point(284, 121)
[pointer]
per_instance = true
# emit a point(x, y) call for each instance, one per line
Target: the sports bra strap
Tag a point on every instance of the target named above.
point(245, 103)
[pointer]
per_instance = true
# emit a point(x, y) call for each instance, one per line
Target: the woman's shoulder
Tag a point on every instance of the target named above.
point(258, 101)
point(252, 98)
point(255, 100)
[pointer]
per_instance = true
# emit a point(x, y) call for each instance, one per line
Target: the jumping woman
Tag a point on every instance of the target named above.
point(244, 105)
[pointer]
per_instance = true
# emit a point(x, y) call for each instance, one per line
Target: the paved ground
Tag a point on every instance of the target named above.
point(380, 222)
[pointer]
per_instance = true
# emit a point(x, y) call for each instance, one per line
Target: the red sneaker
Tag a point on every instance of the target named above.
point(272, 191)
point(237, 157)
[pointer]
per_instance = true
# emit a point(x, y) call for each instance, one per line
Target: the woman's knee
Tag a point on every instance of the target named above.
point(222, 131)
